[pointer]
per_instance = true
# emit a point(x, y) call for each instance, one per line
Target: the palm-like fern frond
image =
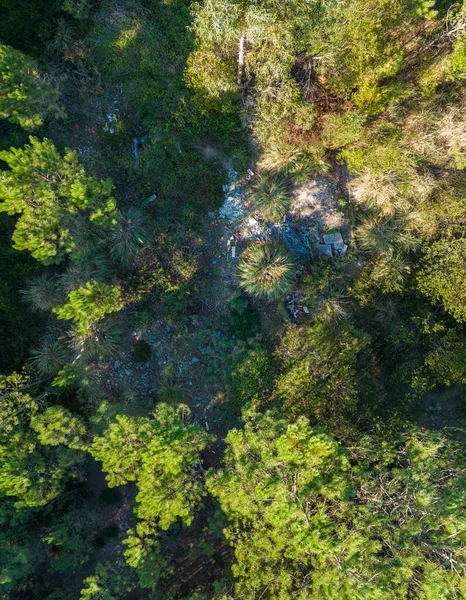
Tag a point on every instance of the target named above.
point(128, 236)
point(378, 234)
point(266, 270)
point(50, 357)
point(270, 196)
point(43, 293)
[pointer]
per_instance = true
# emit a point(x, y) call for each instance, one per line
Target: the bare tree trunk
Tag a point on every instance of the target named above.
point(241, 61)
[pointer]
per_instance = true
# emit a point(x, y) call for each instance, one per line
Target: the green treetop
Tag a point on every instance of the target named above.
point(160, 454)
point(307, 523)
point(89, 304)
point(26, 97)
point(54, 198)
point(34, 457)
point(443, 274)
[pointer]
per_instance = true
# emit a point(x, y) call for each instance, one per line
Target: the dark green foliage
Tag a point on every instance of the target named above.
point(43, 293)
point(128, 235)
point(243, 320)
point(105, 534)
point(69, 545)
point(36, 461)
point(140, 351)
point(110, 496)
point(28, 24)
point(320, 373)
point(253, 378)
point(20, 329)
point(107, 583)
point(341, 130)
point(50, 357)
point(50, 193)
point(25, 96)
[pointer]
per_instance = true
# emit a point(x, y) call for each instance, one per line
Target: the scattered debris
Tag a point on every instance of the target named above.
point(111, 120)
point(233, 206)
point(296, 307)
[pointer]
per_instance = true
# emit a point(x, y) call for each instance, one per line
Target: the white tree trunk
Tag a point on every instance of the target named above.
point(241, 61)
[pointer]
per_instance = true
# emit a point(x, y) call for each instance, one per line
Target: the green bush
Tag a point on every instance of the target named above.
point(442, 274)
point(252, 379)
point(339, 130)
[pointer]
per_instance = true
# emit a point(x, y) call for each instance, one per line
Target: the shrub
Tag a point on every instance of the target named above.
point(297, 163)
point(372, 98)
point(252, 379)
point(213, 81)
point(266, 270)
point(339, 130)
point(458, 60)
point(442, 276)
point(26, 97)
point(100, 340)
point(243, 321)
point(270, 196)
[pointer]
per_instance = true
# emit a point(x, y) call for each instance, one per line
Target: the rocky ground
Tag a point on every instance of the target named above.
point(196, 351)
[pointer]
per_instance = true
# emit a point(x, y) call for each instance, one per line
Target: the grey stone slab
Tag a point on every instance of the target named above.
point(333, 238)
point(325, 250)
point(340, 248)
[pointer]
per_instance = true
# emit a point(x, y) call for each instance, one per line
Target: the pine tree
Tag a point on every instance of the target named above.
point(26, 96)
point(306, 522)
point(54, 198)
point(160, 455)
point(89, 304)
point(34, 467)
